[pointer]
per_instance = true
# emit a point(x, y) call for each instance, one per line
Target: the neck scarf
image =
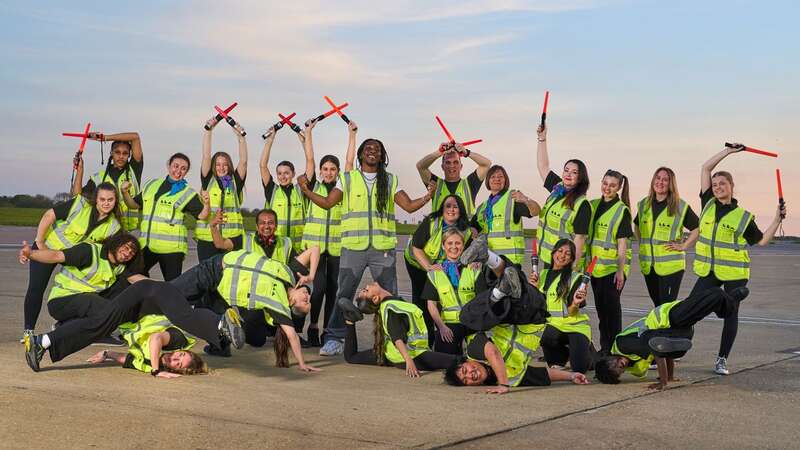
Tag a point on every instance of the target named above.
point(488, 213)
point(176, 186)
point(559, 191)
point(451, 269)
point(227, 182)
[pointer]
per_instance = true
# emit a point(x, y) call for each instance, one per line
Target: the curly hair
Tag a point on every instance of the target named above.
point(382, 181)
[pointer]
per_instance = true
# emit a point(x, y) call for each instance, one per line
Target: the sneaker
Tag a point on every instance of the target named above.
point(665, 345)
point(224, 351)
point(312, 335)
point(110, 341)
point(25, 333)
point(478, 251)
point(331, 348)
point(510, 284)
point(231, 327)
point(349, 311)
point(33, 351)
point(721, 366)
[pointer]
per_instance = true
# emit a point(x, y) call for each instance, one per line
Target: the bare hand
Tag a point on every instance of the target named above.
point(444, 147)
point(212, 122)
point(307, 368)
point(437, 267)
point(519, 197)
point(218, 219)
point(98, 357)
point(780, 213)
point(77, 161)
point(24, 253)
point(352, 127)
point(167, 375)
point(238, 129)
point(737, 147)
point(204, 195)
point(541, 132)
point(657, 386)
point(580, 297)
point(674, 246)
point(533, 278)
point(126, 186)
point(310, 124)
point(95, 136)
point(446, 333)
point(304, 279)
point(619, 279)
point(270, 134)
point(579, 378)
point(411, 370)
point(498, 390)
point(460, 149)
point(475, 265)
point(431, 189)
point(302, 181)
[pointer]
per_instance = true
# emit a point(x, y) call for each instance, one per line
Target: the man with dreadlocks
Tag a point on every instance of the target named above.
point(368, 195)
point(124, 164)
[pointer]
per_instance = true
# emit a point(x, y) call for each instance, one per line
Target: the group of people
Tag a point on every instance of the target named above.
point(473, 313)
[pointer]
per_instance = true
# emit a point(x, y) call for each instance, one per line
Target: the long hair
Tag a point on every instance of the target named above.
point(196, 366)
point(673, 197)
point(463, 220)
point(382, 181)
point(623, 181)
point(228, 162)
point(379, 338)
point(565, 272)
point(106, 186)
point(491, 172)
point(581, 187)
point(281, 347)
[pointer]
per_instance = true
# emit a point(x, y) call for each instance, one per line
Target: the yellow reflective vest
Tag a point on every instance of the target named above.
point(291, 214)
point(230, 204)
point(433, 248)
point(517, 344)
point(362, 226)
point(417, 339)
point(462, 190)
point(656, 319)
point(558, 307)
point(130, 217)
point(603, 240)
point(556, 222)
point(323, 226)
point(137, 336)
point(162, 228)
point(97, 277)
point(505, 237)
point(722, 247)
point(452, 299)
point(67, 233)
point(281, 252)
point(655, 233)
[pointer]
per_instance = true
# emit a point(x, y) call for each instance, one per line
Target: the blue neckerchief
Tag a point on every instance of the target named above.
point(488, 213)
point(559, 191)
point(451, 269)
point(176, 186)
point(227, 182)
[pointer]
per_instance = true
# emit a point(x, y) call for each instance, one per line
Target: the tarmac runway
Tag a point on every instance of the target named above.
point(247, 402)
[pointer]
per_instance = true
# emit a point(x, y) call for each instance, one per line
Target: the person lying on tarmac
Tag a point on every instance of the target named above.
point(664, 334)
point(401, 337)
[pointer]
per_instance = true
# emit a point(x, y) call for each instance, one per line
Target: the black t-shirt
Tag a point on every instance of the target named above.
point(690, 220)
point(551, 277)
point(238, 180)
point(624, 230)
point(533, 376)
point(177, 341)
point(269, 187)
point(194, 207)
point(62, 212)
point(79, 256)
point(423, 234)
point(583, 216)
point(751, 234)
point(398, 326)
point(429, 291)
point(113, 174)
point(520, 210)
point(473, 181)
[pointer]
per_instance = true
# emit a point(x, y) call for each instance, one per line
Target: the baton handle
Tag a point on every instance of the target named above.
point(729, 145)
point(344, 117)
point(782, 204)
point(544, 116)
point(319, 117)
point(218, 117)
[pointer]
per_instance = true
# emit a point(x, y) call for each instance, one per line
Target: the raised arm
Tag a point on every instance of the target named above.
point(45, 223)
point(708, 166)
point(350, 158)
point(424, 164)
point(205, 164)
point(263, 164)
point(769, 233)
point(308, 148)
point(131, 137)
point(404, 201)
point(126, 195)
point(241, 167)
point(77, 183)
point(542, 159)
point(533, 207)
point(483, 163)
point(206, 205)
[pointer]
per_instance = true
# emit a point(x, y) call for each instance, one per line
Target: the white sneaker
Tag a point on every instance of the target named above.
point(721, 366)
point(331, 348)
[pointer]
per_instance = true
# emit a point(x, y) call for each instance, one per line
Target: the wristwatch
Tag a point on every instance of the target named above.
point(155, 372)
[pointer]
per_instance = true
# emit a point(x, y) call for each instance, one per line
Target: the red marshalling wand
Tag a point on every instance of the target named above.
point(76, 160)
point(231, 121)
point(220, 116)
point(544, 109)
point(450, 137)
point(781, 202)
point(587, 275)
point(535, 257)
point(337, 109)
point(751, 150)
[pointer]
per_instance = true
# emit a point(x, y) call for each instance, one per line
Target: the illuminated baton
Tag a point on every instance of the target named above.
point(277, 126)
point(544, 109)
point(220, 116)
point(587, 275)
point(327, 114)
point(781, 202)
point(77, 158)
point(286, 120)
point(450, 137)
point(535, 258)
point(751, 149)
point(337, 109)
point(231, 121)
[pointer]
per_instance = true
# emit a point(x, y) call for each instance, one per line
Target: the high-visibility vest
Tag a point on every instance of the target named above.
point(558, 307)
point(281, 252)
point(255, 282)
point(656, 319)
point(517, 344)
point(462, 190)
point(323, 226)
point(433, 247)
point(291, 214)
point(722, 247)
point(137, 336)
point(452, 299)
point(130, 217)
point(506, 237)
point(362, 226)
point(655, 234)
point(97, 277)
point(417, 338)
point(556, 222)
point(603, 240)
point(71, 231)
point(162, 228)
point(230, 204)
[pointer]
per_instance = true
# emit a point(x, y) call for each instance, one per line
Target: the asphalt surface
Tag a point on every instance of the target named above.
point(247, 402)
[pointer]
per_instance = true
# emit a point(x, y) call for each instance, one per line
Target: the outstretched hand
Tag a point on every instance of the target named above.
point(25, 253)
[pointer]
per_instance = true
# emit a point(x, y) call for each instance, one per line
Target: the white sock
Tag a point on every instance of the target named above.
point(45, 341)
point(494, 260)
point(497, 295)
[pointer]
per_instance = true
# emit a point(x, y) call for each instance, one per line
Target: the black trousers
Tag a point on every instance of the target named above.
point(77, 306)
point(558, 347)
point(609, 310)
point(171, 264)
point(731, 326)
point(199, 284)
point(38, 277)
point(429, 360)
point(663, 289)
point(256, 329)
point(457, 346)
point(326, 283)
point(140, 299)
point(418, 278)
point(481, 313)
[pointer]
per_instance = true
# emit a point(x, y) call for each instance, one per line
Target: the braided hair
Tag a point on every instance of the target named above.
point(382, 181)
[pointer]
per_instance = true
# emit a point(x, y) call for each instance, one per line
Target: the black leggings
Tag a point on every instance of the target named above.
point(559, 346)
point(731, 326)
point(428, 360)
point(326, 283)
point(38, 277)
point(663, 289)
point(140, 299)
point(452, 348)
point(77, 306)
point(171, 264)
point(418, 278)
point(609, 310)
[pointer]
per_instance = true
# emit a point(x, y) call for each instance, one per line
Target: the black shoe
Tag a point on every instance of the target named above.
point(510, 284)
point(349, 310)
point(110, 341)
point(740, 293)
point(303, 342)
point(224, 352)
point(33, 351)
point(665, 345)
point(313, 337)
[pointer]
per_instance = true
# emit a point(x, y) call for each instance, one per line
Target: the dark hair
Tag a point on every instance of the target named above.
point(451, 374)
point(116, 144)
point(623, 180)
point(281, 347)
point(379, 338)
point(565, 273)
point(605, 370)
point(382, 181)
point(116, 241)
point(269, 211)
point(287, 164)
point(182, 156)
point(491, 172)
point(331, 159)
point(581, 187)
point(228, 162)
point(463, 218)
point(106, 186)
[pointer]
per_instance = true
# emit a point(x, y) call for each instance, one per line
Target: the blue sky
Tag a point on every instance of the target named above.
point(634, 85)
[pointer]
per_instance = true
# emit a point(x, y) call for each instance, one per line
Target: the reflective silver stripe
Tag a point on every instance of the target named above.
point(276, 305)
point(319, 221)
point(84, 280)
point(718, 244)
point(331, 240)
point(254, 283)
point(359, 233)
point(363, 215)
point(507, 218)
point(506, 234)
point(183, 199)
point(172, 221)
point(676, 223)
point(235, 280)
point(608, 242)
point(661, 259)
point(510, 251)
point(452, 308)
point(166, 237)
point(417, 334)
point(718, 262)
point(740, 229)
point(59, 231)
point(237, 266)
point(611, 261)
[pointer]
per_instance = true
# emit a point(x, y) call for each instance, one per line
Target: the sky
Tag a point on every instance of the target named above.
point(633, 85)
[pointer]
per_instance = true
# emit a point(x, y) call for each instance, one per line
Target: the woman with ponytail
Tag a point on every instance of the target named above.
point(609, 241)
